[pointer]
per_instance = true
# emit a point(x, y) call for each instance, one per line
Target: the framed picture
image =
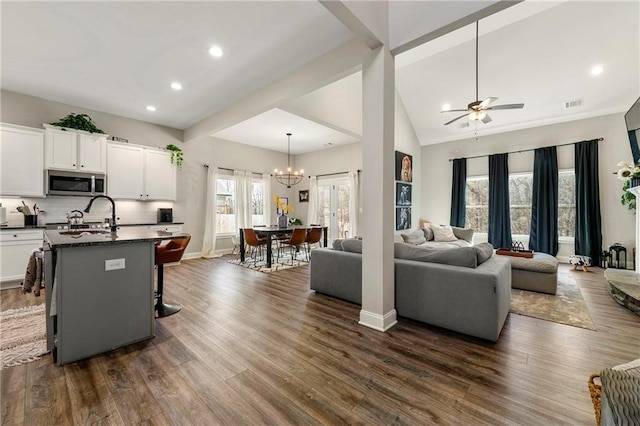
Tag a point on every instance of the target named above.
point(285, 201)
point(403, 218)
point(403, 194)
point(404, 167)
point(303, 196)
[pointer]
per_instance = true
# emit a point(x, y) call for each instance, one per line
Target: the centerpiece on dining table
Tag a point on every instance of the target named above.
point(283, 207)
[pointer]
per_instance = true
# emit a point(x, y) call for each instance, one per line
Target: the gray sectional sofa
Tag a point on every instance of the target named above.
point(466, 289)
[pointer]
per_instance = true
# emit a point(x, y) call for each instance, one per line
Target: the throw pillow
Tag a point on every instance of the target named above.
point(463, 233)
point(463, 256)
point(484, 251)
point(426, 230)
point(443, 233)
point(353, 245)
point(416, 237)
point(337, 244)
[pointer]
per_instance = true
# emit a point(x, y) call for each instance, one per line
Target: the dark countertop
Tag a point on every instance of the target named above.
point(15, 227)
point(56, 239)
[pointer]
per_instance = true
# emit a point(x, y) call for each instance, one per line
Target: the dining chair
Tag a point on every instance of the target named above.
point(296, 240)
point(251, 239)
point(313, 237)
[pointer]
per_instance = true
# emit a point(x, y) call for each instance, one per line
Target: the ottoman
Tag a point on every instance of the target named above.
point(539, 273)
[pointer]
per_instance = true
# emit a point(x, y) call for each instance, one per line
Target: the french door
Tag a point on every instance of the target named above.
point(333, 206)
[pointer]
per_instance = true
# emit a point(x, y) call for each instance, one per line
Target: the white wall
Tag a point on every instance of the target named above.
point(618, 223)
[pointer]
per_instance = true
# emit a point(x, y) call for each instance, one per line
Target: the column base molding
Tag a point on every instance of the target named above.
point(377, 321)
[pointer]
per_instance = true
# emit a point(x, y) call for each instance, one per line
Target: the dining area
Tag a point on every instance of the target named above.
point(269, 242)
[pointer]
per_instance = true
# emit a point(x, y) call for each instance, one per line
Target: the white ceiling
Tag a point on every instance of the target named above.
point(118, 57)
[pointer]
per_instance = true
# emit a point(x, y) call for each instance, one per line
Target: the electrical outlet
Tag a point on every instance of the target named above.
point(113, 264)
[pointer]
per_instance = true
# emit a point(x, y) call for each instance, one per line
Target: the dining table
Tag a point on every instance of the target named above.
point(269, 232)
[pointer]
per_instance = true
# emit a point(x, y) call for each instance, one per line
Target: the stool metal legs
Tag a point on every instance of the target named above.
point(163, 309)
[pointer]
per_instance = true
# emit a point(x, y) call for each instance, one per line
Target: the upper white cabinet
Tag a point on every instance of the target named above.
point(139, 173)
point(21, 161)
point(69, 149)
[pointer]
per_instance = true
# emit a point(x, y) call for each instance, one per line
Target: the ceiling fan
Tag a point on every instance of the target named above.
point(477, 110)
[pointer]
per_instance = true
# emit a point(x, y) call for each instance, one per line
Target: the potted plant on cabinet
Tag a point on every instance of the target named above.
point(176, 155)
point(78, 122)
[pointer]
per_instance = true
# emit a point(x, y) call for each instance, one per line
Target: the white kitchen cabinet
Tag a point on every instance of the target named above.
point(139, 173)
point(21, 161)
point(69, 149)
point(15, 248)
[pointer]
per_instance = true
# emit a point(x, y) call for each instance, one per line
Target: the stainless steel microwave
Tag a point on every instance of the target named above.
point(73, 183)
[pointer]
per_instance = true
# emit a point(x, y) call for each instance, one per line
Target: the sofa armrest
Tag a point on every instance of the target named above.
point(473, 301)
point(337, 273)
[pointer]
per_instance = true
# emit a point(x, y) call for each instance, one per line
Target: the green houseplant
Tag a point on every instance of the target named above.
point(176, 155)
point(78, 122)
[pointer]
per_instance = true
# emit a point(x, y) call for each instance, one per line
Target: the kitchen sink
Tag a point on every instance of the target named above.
point(85, 231)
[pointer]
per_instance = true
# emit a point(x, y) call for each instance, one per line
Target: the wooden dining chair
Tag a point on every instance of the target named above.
point(251, 239)
point(296, 240)
point(313, 237)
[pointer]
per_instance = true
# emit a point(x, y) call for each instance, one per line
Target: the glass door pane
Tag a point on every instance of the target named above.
point(333, 207)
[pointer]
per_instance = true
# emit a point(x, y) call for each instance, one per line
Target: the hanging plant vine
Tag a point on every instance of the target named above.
point(176, 155)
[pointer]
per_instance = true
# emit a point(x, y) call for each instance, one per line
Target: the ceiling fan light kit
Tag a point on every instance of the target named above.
point(477, 110)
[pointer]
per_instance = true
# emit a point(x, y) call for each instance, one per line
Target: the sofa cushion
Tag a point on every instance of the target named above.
point(443, 233)
point(484, 251)
point(463, 233)
point(416, 237)
point(463, 256)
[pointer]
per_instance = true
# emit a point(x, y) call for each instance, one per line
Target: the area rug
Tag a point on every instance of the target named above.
point(566, 307)
point(23, 335)
point(284, 262)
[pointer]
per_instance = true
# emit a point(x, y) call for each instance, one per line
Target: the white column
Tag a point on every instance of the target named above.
point(636, 191)
point(378, 299)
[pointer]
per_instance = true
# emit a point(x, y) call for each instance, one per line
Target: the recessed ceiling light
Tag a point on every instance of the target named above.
point(215, 51)
point(597, 69)
point(151, 108)
point(176, 86)
point(446, 107)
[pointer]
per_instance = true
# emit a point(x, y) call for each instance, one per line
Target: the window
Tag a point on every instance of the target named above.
point(520, 194)
point(227, 204)
point(477, 209)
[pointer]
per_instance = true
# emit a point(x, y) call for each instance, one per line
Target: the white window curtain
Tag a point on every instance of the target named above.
point(243, 199)
point(353, 203)
point(312, 212)
point(209, 238)
point(266, 181)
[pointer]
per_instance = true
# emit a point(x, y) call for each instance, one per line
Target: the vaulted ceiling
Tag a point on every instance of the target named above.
point(119, 57)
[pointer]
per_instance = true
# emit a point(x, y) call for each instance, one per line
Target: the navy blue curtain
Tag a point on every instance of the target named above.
point(458, 192)
point(543, 236)
point(588, 238)
point(635, 150)
point(499, 212)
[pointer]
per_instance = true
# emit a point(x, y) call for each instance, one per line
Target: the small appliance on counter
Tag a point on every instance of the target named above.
point(3, 215)
point(165, 215)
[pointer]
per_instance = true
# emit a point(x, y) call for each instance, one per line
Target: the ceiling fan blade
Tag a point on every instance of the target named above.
point(506, 106)
point(484, 104)
point(455, 110)
point(455, 119)
point(486, 119)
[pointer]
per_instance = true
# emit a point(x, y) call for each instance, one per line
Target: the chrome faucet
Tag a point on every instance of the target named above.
point(113, 210)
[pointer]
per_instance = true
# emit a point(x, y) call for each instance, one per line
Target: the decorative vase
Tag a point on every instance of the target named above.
point(282, 220)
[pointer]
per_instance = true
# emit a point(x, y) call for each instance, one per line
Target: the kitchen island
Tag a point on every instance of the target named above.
point(99, 290)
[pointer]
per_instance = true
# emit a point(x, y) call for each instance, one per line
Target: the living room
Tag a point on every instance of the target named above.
point(177, 341)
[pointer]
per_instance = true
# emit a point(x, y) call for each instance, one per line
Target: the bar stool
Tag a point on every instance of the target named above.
point(168, 253)
point(616, 251)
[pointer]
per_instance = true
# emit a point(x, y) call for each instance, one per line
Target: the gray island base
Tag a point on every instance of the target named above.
point(99, 291)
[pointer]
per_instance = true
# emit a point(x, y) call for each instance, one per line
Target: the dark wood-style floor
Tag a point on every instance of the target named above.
point(252, 348)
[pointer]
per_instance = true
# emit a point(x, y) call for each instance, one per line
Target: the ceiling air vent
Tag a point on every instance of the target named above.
point(464, 124)
point(572, 104)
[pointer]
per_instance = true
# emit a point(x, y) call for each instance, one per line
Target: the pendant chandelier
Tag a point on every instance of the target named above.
point(289, 177)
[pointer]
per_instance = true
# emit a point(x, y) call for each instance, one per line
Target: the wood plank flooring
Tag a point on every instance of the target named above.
point(252, 348)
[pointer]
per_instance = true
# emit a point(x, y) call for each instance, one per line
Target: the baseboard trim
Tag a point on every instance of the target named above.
point(377, 321)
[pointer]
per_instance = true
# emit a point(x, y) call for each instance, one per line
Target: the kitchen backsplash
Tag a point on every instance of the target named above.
point(54, 209)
